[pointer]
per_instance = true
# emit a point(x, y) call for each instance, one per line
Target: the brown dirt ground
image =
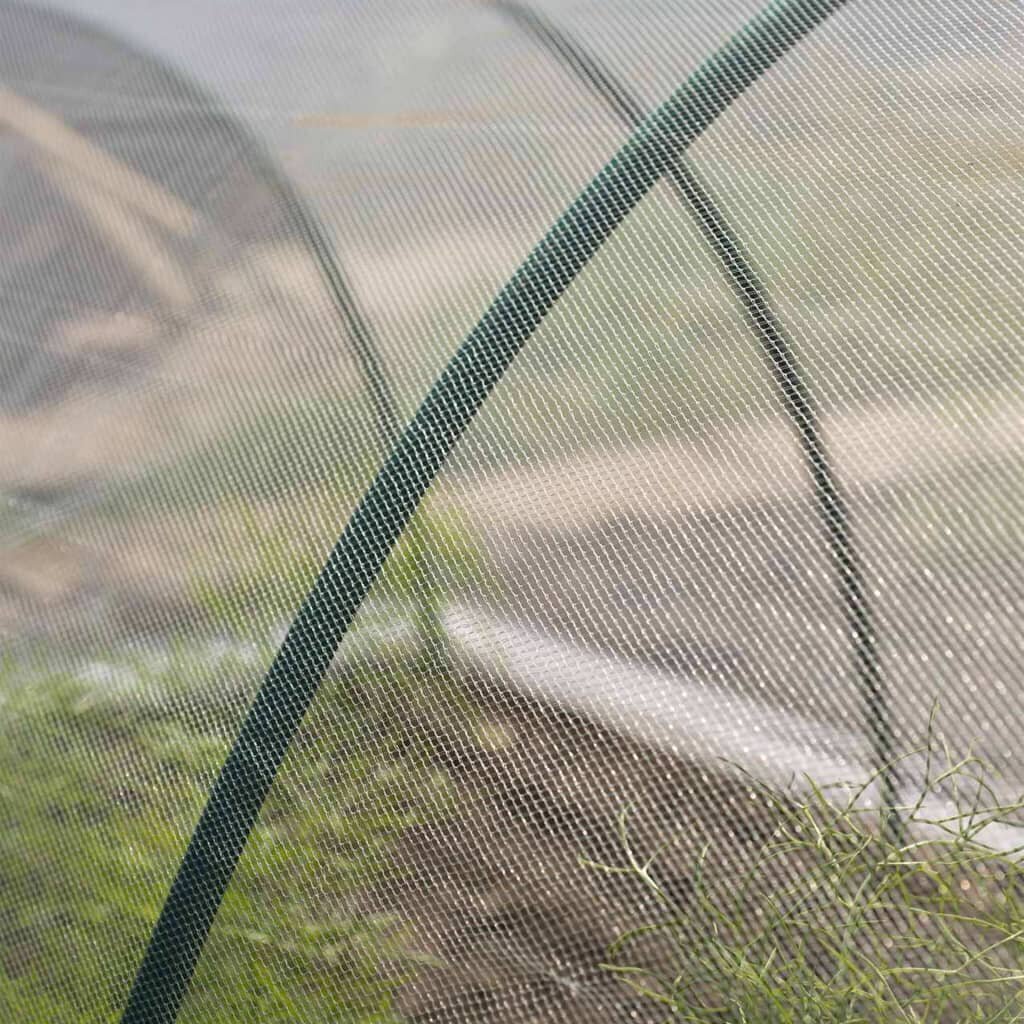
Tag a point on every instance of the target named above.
point(497, 893)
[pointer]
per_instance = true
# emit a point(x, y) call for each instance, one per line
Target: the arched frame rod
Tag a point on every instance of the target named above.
point(357, 559)
point(793, 391)
point(364, 343)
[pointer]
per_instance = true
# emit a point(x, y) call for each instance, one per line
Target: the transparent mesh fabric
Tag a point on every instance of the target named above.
point(618, 601)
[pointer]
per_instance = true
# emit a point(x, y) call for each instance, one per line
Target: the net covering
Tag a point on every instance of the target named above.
point(691, 690)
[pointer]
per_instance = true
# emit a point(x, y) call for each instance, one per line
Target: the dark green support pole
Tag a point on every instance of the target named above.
point(364, 344)
point(424, 446)
point(792, 389)
point(313, 236)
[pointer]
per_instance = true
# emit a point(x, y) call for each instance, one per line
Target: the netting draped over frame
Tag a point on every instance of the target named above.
point(715, 516)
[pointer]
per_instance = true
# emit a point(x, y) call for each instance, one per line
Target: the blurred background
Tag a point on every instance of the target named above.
point(618, 593)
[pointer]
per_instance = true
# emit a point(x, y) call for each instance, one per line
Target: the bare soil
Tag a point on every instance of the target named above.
point(498, 895)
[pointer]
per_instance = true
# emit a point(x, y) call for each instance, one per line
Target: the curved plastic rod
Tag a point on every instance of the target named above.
point(363, 342)
point(792, 389)
point(357, 559)
point(366, 350)
point(313, 235)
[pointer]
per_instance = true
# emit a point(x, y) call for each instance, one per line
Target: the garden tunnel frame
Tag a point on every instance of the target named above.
point(653, 151)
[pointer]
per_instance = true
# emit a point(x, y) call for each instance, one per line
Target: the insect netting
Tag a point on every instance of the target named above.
point(511, 511)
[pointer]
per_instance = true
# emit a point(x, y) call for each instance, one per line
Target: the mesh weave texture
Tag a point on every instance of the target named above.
point(726, 571)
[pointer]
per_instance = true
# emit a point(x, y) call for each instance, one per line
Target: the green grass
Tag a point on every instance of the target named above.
point(832, 922)
point(98, 797)
point(279, 556)
point(101, 786)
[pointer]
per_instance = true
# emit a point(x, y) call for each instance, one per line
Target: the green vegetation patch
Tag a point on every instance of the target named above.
point(98, 798)
point(834, 923)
